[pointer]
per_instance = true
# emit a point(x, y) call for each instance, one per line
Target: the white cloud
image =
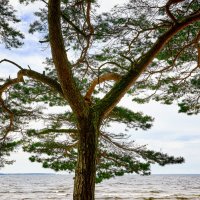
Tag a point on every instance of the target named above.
point(106, 5)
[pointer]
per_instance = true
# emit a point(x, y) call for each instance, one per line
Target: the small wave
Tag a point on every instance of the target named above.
point(42, 191)
point(156, 191)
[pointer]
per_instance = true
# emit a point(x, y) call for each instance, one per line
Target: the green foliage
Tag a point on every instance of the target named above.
point(130, 118)
point(117, 165)
point(6, 147)
point(183, 107)
point(32, 91)
point(160, 158)
point(196, 82)
point(8, 34)
point(114, 158)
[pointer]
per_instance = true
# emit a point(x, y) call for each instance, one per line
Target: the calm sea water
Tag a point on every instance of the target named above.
point(129, 187)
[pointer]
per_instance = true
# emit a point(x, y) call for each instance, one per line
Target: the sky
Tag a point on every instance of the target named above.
point(173, 133)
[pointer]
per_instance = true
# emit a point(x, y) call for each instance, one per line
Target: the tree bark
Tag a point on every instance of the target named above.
point(85, 175)
point(63, 67)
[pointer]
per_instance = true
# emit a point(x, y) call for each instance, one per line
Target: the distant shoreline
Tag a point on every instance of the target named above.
point(35, 174)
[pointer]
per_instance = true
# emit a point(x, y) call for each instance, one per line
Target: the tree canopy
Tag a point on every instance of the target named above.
point(147, 49)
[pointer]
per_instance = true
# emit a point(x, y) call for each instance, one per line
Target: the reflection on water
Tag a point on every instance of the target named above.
point(129, 187)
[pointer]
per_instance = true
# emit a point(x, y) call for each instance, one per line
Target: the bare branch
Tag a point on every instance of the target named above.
point(112, 63)
point(77, 29)
point(169, 3)
point(101, 79)
point(121, 146)
point(6, 60)
point(127, 58)
point(53, 84)
point(44, 2)
point(91, 28)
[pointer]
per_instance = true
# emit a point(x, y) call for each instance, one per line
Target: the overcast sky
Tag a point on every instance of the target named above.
point(172, 133)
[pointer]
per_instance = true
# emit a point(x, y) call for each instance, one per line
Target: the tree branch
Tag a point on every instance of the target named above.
point(53, 84)
point(88, 36)
point(198, 49)
point(4, 106)
point(71, 132)
point(62, 64)
point(91, 28)
point(120, 146)
point(46, 131)
point(169, 3)
point(120, 88)
point(101, 79)
point(77, 29)
point(11, 116)
point(6, 60)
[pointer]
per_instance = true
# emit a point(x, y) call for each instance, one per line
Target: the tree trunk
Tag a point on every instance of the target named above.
point(84, 183)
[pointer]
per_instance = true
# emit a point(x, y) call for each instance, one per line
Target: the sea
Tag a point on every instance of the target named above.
point(128, 187)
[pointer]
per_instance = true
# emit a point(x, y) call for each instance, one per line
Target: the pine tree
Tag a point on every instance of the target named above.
point(144, 48)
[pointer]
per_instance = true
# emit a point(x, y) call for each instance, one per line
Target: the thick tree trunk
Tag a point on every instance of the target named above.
point(84, 184)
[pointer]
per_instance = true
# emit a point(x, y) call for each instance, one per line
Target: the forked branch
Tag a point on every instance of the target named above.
point(105, 77)
point(62, 64)
point(169, 13)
